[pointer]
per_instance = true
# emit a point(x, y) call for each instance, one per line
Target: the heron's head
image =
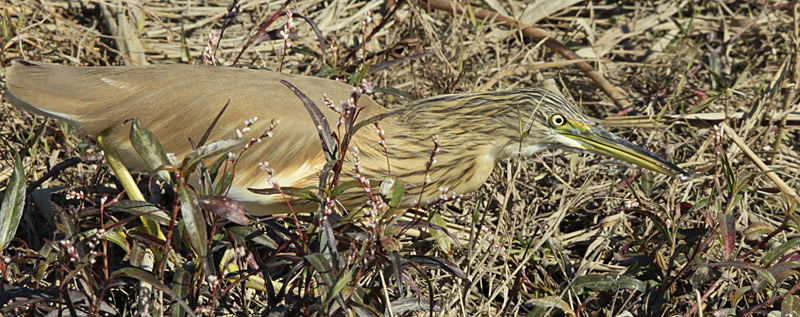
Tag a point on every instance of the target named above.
point(519, 121)
point(545, 120)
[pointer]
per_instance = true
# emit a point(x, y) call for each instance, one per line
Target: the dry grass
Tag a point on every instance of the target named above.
point(555, 234)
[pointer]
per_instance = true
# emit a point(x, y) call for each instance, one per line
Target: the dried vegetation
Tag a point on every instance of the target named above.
point(711, 85)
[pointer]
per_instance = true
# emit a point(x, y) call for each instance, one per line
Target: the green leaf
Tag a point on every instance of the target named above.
point(394, 192)
point(181, 284)
point(608, 282)
point(117, 237)
point(698, 205)
point(214, 169)
point(329, 146)
point(394, 91)
point(343, 186)
point(761, 272)
point(660, 225)
point(294, 192)
point(397, 267)
point(757, 230)
point(790, 306)
point(340, 283)
point(143, 209)
point(779, 251)
point(444, 264)
point(647, 183)
point(320, 262)
point(328, 71)
point(743, 182)
point(552, 301)
point(713, 96)
point(730, 177)
point(149, 278)
point(208, 151)
point(476, 214)
point(354, 81)
point(149, 149)
point(739, 293)
point(224, 183)
point(193, 218)
point(537, 311)
point(305, 51)
point(439, 235)
point(33, 138)
point(784, 270)
point(13, 204)
point(186, 53)
point(425, 224)
point(249, 233)
point(371, 120)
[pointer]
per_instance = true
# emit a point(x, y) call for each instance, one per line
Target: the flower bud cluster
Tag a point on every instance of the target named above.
point(375, 204)
point(287, 30)
point(209, 58)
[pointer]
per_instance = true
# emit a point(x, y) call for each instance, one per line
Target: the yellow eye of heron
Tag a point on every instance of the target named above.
point(557, 120)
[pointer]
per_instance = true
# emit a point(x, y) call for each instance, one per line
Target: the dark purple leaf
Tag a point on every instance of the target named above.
point(444, 264)
point(226, 208)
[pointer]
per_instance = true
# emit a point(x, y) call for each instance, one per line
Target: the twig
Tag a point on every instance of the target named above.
point(374, 31)
point(55, 170)
point(763, 167)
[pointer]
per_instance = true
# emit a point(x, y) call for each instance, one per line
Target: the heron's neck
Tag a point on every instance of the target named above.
point(468, 151)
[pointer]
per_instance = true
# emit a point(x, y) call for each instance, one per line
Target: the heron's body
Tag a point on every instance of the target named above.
point(178, 102)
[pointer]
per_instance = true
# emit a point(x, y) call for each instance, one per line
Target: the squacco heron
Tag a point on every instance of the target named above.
point(178, 102)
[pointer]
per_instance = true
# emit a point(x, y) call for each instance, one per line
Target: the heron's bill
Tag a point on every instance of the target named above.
point(600, 141)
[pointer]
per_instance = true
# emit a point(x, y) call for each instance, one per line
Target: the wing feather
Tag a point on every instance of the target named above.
point(178, 102)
